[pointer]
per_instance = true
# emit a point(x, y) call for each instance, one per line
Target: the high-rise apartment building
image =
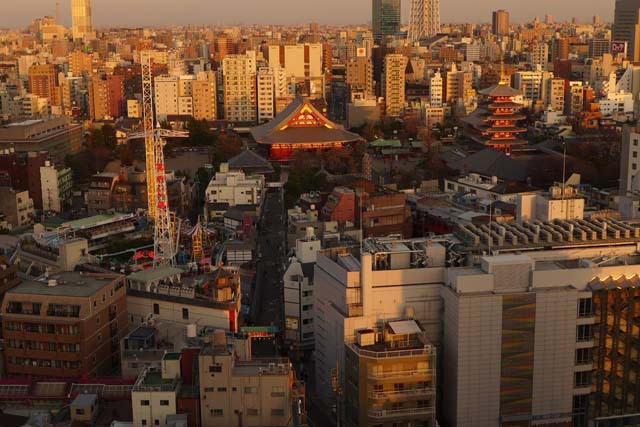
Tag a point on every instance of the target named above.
point(385, 19)
point(599, 46)
point(394, 83)
point(302, 64)
point(630, 161)
point(560, 51)
point(500, 23)
point(106, 96)
point(239, 80)
point(266, 94)
point(204, 91)
point(540, 56)
point(457, 85)
point(81, 24)
point(554, 94)
point(626, 26)
point(436, 90)
point(424, 20)
point(68, 325)
point(42, 81)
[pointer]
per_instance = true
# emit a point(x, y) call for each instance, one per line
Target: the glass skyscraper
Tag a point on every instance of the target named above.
point(385, 18)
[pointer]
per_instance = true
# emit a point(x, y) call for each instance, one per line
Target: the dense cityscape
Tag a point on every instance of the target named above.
point(400, 223)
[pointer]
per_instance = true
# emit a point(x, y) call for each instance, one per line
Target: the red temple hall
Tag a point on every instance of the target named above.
point(301, 127)
point(496, 125)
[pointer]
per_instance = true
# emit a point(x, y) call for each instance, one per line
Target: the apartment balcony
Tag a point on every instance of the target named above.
point(44, 371)
point(385, 414)
point(66, 356)
point(406, 375)
point(43, 337)
point(402, 394)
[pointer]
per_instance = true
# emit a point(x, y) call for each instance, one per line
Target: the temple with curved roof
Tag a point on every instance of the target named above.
point(301, 127)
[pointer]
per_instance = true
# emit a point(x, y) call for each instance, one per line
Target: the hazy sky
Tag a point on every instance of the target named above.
point(17, 13)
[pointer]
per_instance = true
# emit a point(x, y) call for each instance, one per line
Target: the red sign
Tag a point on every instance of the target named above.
point(362, 51)
point(619, 48)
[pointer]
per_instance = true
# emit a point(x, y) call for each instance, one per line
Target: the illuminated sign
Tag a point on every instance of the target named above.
point(619, 48)
point(362, 51)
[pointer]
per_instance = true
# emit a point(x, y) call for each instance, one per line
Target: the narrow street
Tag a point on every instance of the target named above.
point(266, 302)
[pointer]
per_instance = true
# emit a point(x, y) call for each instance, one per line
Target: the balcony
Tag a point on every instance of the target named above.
point(397, 394)
point(411, 374)
point(382, 414)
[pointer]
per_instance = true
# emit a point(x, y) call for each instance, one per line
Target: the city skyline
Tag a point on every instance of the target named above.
point(148, 12)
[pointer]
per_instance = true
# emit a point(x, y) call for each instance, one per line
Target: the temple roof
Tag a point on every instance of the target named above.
point(250, 161)
point(500, 90)
point(301, 123)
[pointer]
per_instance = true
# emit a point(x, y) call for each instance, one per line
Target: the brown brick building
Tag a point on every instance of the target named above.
point(67, 326)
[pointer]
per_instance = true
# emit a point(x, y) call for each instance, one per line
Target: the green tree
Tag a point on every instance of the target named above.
point(110, 139)
point(200, 134)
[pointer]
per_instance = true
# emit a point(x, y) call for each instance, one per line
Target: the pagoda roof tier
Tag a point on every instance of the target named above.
point(512, 141)
point(505, 117)
point(301, 123)
point(509, 104)
point(510, 129)
point(500, 90)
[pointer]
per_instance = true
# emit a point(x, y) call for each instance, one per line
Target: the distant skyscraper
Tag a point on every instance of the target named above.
point(500, 22)
point(425, 19)
point(81, 18)
point(626, 26)
point(385, 18)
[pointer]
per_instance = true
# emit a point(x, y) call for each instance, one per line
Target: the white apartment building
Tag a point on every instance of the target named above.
point(485, 187)
point(16, 206)
point(235, 188)
point(239, 77)
point(616, 103)
point(300, 63)
point(630, 160)
point(551, 206)
point(554, 94)
point(532, 84)
point(298, 293)
point(166, 93)
point(56, 184)
point(436, 95)
point(266, 91)
point(539, 56)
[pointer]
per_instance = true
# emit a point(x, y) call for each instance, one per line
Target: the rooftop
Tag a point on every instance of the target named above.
point(95, 221)
point(153, 274)
point(68, 283)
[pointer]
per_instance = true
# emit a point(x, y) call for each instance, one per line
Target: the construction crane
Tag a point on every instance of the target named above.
point(157, 197)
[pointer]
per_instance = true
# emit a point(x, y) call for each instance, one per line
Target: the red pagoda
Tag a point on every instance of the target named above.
point(495, 125)
point(301, 127)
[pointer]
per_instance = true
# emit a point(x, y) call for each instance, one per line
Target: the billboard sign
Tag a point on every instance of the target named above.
point(619, 48)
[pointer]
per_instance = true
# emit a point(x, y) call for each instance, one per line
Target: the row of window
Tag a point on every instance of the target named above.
point(185, 311)
point(250, 412)
point(42, 363)
point(28, 308)
point(276, 391)
point(43, 328)
point(147, 403)
point(43, 346)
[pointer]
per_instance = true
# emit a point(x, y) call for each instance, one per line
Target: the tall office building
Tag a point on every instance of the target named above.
point(500, 22)
point(385, 18)
point(42, 82)
point(360, 77)
point(81, 19)
point(394, 82)
point(626, 26)
point(424, 20)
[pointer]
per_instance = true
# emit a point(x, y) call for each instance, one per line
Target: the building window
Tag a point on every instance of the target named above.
point(208, 389)
point(185, 314)
point(584, 356)
point(215, 368)
point(156, 422)
point(156, 309)
point(222, 389)
point(218, 412)
point(250, 390)
point(277, 412)
point(79, 411)
point(144, 422)
point(584, 333)
point(277, 391)
point(164, 403)
point(252, 411)
point(582, 379)
point(585, 307)
point(144, 403)
point(98, 320)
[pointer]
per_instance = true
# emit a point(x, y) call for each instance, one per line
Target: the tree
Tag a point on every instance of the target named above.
point(225, 148)
point(125, 155)
point(200, 134)
point(110, 138)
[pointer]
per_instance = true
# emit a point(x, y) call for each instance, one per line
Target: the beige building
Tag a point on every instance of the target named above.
point(390, 377)
point(554, 94)
point(266, 92)
point(233, 188)
point(16, 206)
point(360, 77)
point(239, 77)
point(56, 186)
point(155, 393)
point(394, 84)
point(134, 109)
point(81, 23)
point(238, 390)
point(301, 63)
point(390, 280)
point(204, 96)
